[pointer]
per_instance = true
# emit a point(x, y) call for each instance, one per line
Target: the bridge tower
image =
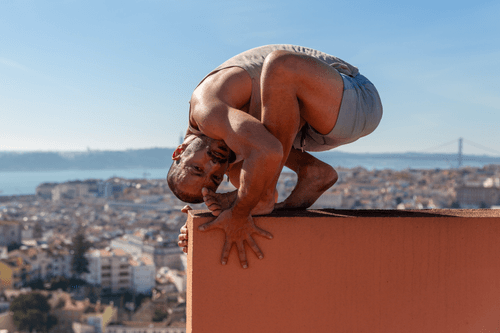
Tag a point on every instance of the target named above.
point(460, 144)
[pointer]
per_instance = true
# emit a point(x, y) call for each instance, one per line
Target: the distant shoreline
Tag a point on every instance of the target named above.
point(156, 158)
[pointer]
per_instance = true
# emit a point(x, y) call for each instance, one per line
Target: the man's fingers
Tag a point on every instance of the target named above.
point(186, 208)
point(211, 202)
point(225, 252)
point(184, 229)
point(204, 191)
point(208, 200)
point(255, 247)
point(216, 212)
point(263, 233)
point(183, 237)
point(185, 249)
point(213, 206)
point(183, 243)
point(242, 255)
point(208, 226)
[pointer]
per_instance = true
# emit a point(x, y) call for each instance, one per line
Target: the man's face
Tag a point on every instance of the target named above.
point(203, 164)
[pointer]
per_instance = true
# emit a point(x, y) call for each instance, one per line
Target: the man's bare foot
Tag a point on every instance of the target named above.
point(218, 202)
point(312, 181)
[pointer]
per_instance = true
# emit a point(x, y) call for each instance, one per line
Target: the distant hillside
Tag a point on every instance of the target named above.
point(98, 160)
point(161, 157)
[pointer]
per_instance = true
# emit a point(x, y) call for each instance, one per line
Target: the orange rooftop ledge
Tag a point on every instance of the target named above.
point(351, 271)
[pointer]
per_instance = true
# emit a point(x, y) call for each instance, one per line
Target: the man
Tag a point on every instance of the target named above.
point(257, 112)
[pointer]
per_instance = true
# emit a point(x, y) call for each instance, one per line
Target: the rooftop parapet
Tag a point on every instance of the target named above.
point(351, 271)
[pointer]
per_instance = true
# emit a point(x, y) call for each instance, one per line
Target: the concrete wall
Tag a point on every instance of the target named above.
point(351, 271)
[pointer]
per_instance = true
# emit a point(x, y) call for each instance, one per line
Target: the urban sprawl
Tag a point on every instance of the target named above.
point(133, 275)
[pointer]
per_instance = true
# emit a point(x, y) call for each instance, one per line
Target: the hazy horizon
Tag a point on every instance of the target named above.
point(326, 152)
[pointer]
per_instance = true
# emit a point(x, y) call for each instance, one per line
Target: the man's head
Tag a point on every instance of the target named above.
point(198, 162)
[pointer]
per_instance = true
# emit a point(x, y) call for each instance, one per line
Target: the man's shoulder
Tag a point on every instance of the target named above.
point(231, 86)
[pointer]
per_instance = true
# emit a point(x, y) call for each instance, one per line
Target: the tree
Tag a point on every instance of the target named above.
point(38, 230)
point(79, 263)
point(31, 312)
point(159, 315)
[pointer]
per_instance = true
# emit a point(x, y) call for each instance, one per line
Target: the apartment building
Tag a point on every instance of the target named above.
point(160, 252)
point(109, 268)
point(44, 190)
point(131, 244)
point(143, 274)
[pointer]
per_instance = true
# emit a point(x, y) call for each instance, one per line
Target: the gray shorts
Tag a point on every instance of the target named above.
point(360, 113)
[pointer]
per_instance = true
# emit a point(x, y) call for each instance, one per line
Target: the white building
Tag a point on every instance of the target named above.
point(71, 190)
point(143, 274)
point(161, 254)
point(131, 244)
point(45, 190)
point(47, 263)
point(110, 269)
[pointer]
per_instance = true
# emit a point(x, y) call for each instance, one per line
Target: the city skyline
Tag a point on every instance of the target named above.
point(118, 75)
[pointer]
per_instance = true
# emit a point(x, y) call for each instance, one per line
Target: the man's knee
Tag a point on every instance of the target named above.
point(281, 64)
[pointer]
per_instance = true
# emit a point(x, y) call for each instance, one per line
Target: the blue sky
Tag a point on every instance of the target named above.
point(115, 75)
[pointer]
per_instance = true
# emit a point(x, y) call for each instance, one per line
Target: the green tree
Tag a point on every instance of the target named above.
point(159, 315)
point(31, 312)
point(38, 230)
point(79, 264)
point(483, 205)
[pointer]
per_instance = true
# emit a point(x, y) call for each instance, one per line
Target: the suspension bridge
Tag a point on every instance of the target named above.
point(460, 144)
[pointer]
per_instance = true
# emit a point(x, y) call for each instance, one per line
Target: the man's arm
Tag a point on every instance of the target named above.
point(215, 111)
point(262, 158)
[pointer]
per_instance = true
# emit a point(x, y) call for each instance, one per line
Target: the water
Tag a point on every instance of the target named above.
point(25, 182)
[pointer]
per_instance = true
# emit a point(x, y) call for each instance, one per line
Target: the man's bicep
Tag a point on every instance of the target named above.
point(245, 134)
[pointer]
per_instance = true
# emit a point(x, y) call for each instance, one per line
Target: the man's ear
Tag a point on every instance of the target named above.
point(180, 149)
point(178, 152)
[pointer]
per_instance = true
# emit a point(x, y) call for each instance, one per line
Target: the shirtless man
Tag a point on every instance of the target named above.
point(257, 112)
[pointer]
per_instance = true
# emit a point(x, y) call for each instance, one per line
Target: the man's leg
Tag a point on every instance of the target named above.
point(296, 88)
point(314, 177)
point(218, 202)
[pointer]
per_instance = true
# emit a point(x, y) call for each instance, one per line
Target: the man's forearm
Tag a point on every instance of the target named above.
point(256, 178)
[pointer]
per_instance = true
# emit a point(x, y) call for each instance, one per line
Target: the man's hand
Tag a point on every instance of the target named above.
point(237, 229)
point(183, 239)
point(183, 236)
